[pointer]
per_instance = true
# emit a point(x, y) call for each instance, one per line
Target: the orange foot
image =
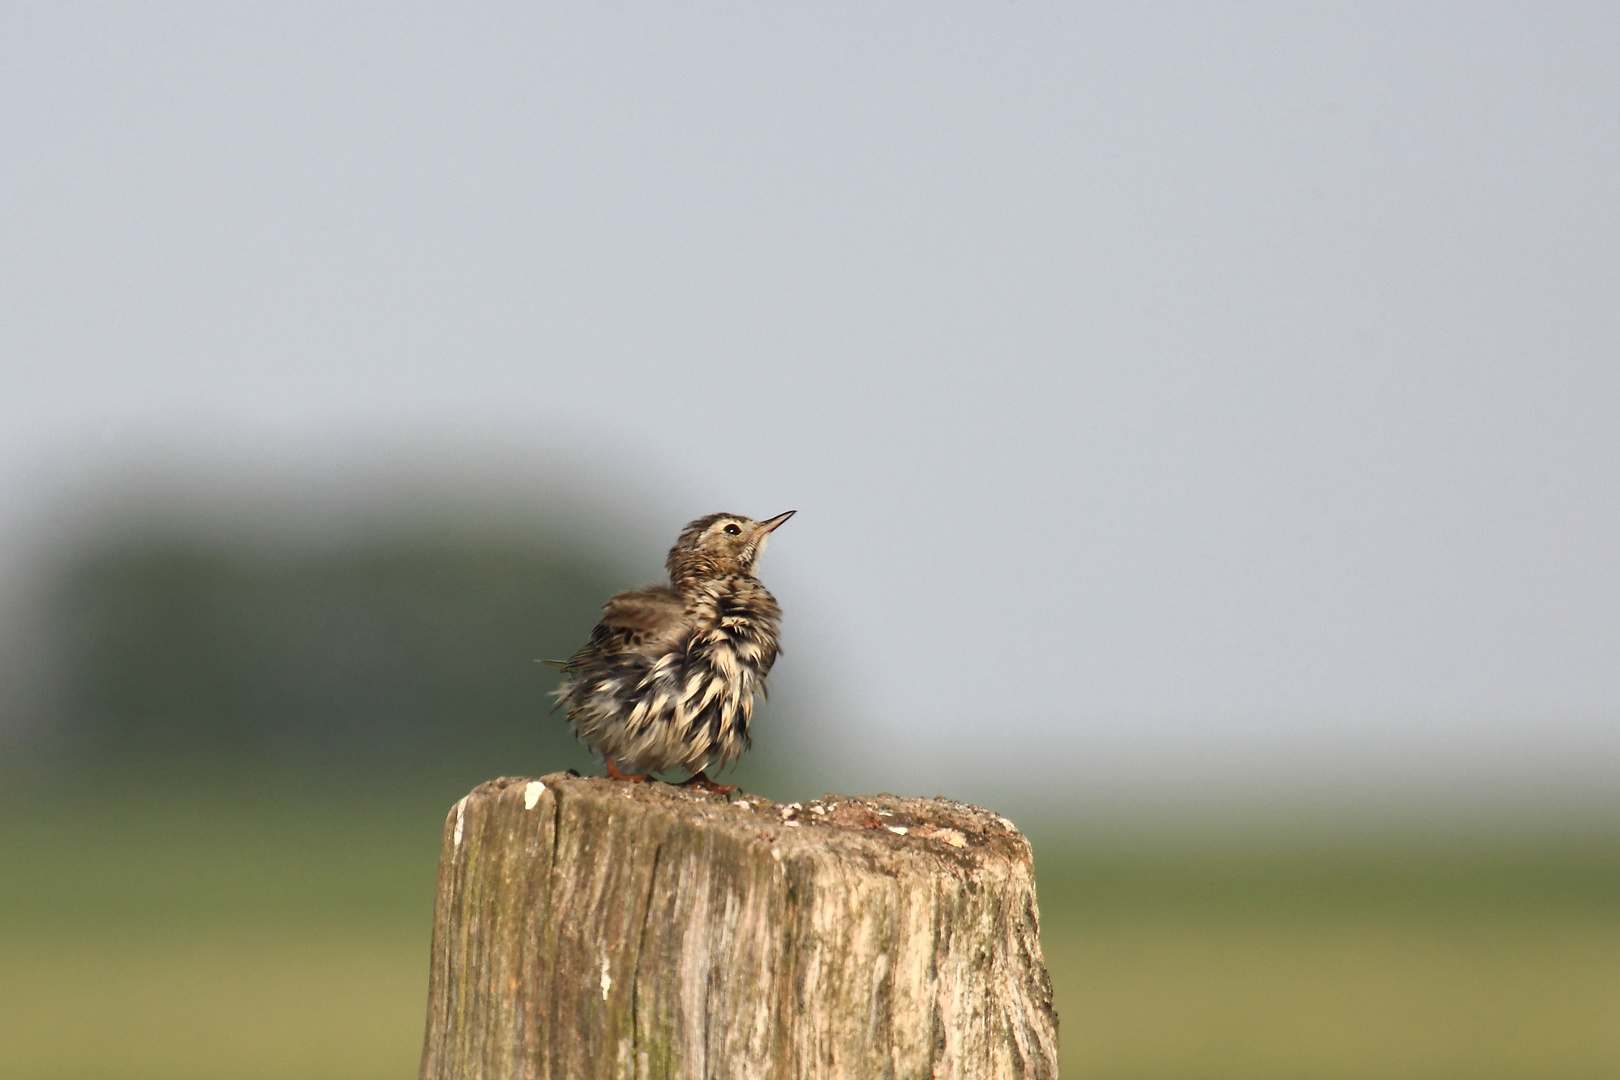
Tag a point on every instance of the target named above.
point(615, 774)
point(698, 780)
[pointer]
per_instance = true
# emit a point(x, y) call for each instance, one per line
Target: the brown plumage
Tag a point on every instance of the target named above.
point(669, 676)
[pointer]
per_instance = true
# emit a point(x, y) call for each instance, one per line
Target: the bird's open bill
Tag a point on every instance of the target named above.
point(770, 523)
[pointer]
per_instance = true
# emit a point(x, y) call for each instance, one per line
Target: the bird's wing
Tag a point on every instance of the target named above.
point(645, 610)
point(628, 620)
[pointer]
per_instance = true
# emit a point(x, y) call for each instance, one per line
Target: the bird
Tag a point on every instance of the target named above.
point(669, 676)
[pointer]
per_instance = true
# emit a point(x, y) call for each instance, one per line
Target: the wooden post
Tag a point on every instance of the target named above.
point(590, 928)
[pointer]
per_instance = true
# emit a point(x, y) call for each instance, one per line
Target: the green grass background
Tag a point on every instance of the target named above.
point(253, 934)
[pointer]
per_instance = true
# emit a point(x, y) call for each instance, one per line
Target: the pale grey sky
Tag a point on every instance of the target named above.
point(1170, 394)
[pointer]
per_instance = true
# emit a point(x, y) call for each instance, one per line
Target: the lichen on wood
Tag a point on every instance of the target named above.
point(591, 928)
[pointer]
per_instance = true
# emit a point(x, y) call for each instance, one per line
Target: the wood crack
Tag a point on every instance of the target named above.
point(635, 975)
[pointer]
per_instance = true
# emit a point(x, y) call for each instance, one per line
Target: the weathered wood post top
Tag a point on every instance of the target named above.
point(592, 928)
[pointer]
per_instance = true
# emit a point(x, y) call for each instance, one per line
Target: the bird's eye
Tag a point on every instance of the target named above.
point(734, 529)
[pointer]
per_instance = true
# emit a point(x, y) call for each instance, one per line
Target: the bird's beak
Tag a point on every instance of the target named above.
point(770, 524)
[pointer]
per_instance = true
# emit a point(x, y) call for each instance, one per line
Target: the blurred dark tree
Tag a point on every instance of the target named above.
point(395, 655)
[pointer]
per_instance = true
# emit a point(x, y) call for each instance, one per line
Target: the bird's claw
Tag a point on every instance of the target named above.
point(615, 774)
point(698, 780)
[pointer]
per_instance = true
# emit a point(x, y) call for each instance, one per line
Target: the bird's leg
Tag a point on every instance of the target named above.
point(698, 780)
point(615, 774)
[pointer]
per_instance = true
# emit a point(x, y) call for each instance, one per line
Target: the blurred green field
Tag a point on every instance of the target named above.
point(1342, 959)
point(256, 936)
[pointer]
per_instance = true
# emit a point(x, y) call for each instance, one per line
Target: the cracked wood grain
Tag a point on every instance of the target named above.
point(587, 928)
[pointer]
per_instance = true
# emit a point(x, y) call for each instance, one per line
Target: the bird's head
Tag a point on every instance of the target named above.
point(720, 545)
